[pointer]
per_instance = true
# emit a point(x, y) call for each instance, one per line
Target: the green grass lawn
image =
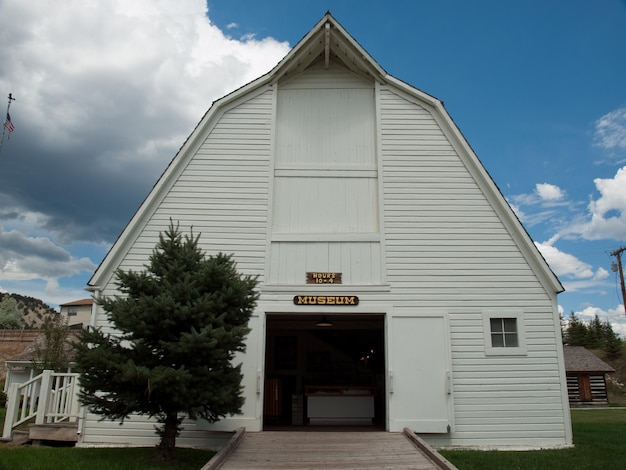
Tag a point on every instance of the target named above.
point(599, 443)
point(599, 438)
point(69, 458)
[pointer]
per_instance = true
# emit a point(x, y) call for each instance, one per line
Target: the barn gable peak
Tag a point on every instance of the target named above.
point(328, 42)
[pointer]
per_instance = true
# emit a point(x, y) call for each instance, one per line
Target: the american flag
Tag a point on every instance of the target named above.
point(9, 125)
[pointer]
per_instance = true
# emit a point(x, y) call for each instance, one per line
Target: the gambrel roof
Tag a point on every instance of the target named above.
point(327, 42)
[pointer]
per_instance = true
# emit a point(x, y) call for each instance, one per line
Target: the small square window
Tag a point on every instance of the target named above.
point(71, 311)
point(504, 333)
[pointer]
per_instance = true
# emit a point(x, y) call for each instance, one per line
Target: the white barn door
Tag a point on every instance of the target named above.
point(418, 375)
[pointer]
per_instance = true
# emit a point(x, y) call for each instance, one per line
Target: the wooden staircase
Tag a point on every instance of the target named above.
point(44, 433)
point(51, 401)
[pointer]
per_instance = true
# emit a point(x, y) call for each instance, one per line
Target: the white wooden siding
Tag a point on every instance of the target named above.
point(223, 194)
point(442, 234)
point(446, 248)
point(223, 191)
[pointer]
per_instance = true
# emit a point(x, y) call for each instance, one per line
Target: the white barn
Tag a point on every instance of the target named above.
point(357, 201)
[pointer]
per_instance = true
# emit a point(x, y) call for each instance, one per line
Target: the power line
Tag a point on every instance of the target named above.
point(618, 254)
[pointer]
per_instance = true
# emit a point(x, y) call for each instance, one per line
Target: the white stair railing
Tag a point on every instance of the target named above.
point(50, 397)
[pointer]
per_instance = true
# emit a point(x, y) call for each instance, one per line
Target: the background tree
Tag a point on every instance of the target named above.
point(10, 315)
point(575, 331)
point(594, 334)
point(181, 322)
point(614, 346)
point(53, 353)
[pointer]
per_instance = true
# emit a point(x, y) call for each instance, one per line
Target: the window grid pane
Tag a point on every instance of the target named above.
point(496, 325)
point(510, 340)
point(510, 325)
point(504, 333)
point(497, 341)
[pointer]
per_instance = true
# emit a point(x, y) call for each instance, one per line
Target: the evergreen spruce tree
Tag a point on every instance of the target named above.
point(613, 344)
point(576, 332)
point(181, 321)
point(593, 335)
point(596, 334)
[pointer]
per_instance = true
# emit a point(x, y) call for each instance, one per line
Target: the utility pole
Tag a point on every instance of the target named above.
point(618, 254)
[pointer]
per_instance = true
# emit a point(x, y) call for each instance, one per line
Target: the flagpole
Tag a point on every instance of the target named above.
point(6, 118)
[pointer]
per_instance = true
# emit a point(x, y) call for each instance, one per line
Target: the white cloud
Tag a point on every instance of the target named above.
point(564, 264)
point(544, 193)
point(107, 91)
point(610, 132)
point(26, 258)
point(607, 214)
point(86, 73)
point(549, 192)
point(52, 294)
point(597, 282)
point(545, 204)
point(613, 193)
point(29, 255)
point(568, 266)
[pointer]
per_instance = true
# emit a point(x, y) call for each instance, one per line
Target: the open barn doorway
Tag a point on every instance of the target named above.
point(324, 370)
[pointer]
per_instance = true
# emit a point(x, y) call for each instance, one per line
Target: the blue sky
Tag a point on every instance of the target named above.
point(106, 92)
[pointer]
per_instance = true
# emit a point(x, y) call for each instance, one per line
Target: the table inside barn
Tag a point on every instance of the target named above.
point(335, 404)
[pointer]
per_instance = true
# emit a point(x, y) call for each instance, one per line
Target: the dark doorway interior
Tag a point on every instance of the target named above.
point(324, 375)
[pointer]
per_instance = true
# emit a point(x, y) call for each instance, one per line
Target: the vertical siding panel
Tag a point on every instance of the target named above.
point(325, 116)
point(325, 205)
point(335, 263)
point(326, 181)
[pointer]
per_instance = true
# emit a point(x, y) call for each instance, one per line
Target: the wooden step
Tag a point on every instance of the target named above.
point(17, 438)
point(60, 432)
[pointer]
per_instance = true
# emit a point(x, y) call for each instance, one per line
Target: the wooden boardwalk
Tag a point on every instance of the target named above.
point(279, 450)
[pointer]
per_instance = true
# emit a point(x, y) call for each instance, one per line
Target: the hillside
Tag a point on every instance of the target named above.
point(616, 383)
point(34, 310)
